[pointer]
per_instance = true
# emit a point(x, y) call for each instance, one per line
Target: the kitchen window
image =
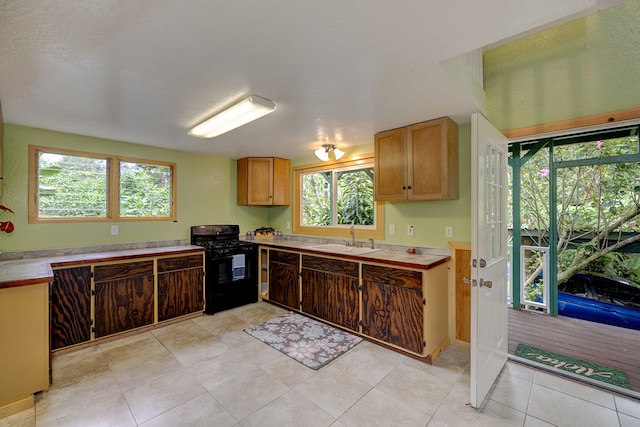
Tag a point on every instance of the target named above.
point(66, 185)
point(330, 198)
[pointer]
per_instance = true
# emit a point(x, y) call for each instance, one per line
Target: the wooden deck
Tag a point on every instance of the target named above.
point(594, 342)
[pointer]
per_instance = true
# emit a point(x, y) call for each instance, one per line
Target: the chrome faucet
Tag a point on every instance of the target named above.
point(353, 236)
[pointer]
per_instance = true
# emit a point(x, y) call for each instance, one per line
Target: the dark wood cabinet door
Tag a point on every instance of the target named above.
point(375, 313)
point(343, 302)
point(314, 293)
point(179, 293)
point(406, 327)
point(71, 307)
point(393, 306)
point(123, 304)
point(283, 284)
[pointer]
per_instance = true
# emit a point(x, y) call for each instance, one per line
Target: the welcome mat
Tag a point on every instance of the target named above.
point(596, 371)
point(308, 341)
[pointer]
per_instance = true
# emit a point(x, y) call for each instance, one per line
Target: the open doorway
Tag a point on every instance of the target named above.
point(575, 203)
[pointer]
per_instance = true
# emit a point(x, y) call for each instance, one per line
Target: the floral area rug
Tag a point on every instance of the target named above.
point(308, 341)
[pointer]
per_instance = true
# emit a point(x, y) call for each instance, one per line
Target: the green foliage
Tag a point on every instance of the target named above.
point(74, 186)
point(352, 198)
point(145, 190)
point(595, 204)
point(355, 198)
point(316, 196)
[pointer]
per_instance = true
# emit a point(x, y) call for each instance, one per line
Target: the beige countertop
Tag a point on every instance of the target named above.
point(23, 272)
point(398, 257)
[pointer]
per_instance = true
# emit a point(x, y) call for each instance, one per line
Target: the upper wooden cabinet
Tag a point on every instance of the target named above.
point(417, 162)
point(264, 181)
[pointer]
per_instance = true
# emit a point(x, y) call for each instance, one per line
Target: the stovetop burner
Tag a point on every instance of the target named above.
point(227, 244)
point(219, 240)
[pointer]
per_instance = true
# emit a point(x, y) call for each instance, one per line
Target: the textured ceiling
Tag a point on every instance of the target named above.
point(145, 71)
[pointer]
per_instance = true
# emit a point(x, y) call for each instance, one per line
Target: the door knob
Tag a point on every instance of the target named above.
point(488, 283)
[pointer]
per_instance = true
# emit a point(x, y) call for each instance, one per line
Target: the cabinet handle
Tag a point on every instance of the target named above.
point(404, 187)
point(409, 187)
point(124, 270)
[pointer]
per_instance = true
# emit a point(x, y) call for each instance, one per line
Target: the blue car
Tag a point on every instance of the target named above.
point(600, 299)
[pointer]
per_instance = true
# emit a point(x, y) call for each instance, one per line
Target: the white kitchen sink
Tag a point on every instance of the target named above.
point(341, 249)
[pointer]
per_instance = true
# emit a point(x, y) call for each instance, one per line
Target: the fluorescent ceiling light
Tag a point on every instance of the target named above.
point(245, 111)
point(323, 153)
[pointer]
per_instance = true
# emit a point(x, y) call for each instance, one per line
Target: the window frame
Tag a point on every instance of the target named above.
point(365, 232)
point(113, 187)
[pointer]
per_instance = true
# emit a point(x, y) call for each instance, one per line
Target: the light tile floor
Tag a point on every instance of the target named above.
point(208, 372)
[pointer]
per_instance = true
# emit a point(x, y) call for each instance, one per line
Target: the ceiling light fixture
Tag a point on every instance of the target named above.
point(324, 152)
point(245, 111)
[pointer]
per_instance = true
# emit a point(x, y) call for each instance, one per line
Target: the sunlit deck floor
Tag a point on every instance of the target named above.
point(589, 341)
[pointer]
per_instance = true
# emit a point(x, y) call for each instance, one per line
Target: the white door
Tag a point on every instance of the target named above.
point(489, 260)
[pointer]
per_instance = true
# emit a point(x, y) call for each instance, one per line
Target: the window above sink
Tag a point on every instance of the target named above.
point(331, 197)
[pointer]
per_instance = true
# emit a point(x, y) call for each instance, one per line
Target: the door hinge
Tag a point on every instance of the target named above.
point(360, 322)
point(93, 292)
point(424, 301)
point(424, 344)
point(91, 274)
point(360, 287)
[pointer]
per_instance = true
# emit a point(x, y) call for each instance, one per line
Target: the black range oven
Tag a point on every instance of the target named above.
point(231, 270)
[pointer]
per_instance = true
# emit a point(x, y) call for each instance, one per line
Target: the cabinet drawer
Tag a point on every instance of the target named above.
point(103, 273)
point(329, 265)
point(392, 276)
point(284, 257)
point(179, 263)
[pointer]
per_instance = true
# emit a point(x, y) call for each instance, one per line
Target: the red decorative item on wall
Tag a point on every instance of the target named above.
point(6, 226)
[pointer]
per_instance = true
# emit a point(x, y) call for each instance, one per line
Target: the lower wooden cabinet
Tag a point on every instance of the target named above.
point(180, 286)
point(393, 306)
point(284, 287)
point(124, 297)
point(403, 307)
point(330, 290)
point(70, 306)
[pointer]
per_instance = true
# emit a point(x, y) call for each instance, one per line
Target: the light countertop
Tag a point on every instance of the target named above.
point(424, 260)
point(21, 272)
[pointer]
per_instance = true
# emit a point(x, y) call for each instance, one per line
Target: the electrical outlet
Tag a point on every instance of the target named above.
point(392, 229)
point(448, 231)
point(114, 230)
point(410, 230)
point(287, 225)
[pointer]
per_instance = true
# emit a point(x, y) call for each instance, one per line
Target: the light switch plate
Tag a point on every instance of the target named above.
point(392, 229)
point(410, 230)
point(114, 230)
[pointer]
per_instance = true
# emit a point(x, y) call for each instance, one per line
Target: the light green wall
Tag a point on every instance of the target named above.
point(206, 194)
point(428, 218)
point(587, 66)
